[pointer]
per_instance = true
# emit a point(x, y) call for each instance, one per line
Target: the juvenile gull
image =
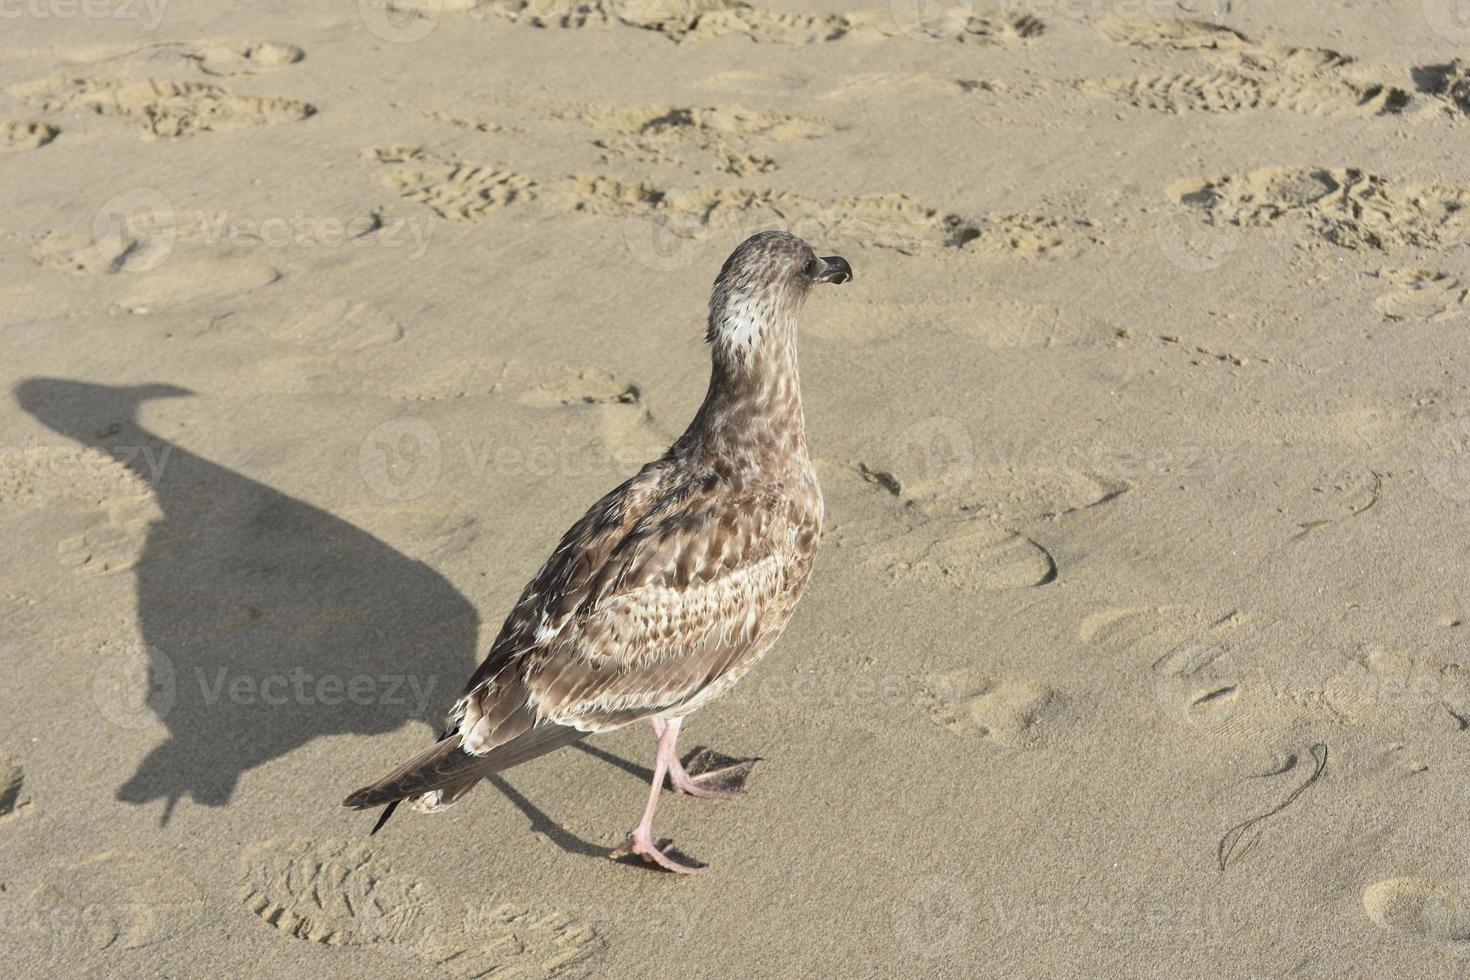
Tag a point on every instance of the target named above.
point(673, 585)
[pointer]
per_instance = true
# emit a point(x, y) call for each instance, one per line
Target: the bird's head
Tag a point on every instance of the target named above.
point(80, 408)
point(761, 288)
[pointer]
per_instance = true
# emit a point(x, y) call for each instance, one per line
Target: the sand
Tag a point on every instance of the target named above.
point(1137, 642)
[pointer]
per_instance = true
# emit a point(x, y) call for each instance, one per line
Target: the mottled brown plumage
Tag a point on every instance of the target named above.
point(673, 585)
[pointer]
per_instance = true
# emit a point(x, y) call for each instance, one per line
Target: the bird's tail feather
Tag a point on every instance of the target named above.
point(447, 769)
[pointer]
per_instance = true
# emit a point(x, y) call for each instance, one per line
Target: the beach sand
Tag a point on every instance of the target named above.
point(1137, 641)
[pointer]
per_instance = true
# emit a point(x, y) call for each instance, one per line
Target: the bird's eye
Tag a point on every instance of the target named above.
point(810, 269)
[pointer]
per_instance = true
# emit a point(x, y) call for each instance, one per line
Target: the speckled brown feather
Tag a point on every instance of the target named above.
point(674, 584)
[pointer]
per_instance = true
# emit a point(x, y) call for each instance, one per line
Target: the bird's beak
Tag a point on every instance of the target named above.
point(834, 270)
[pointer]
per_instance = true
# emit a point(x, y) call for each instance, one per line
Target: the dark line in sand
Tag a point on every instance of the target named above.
point(1375, 495)
point(1225, 851)
point(1051, 563)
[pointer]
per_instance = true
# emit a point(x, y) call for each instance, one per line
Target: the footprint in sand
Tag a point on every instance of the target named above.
point(730, 17)
point(1450, 83)
point(573, 14)
point(1199, 675)
point(1312, 81)
point(731, 137)
point(584, 386)
point(1422, 294)
point(1198, 684)
point(683, 21)
point(1342, 206)
point(461, 190)
point(458, 190)
point(334, 895)
point(228, 56)
point(1338, 492)
point(875, 220)
point(171, 262)
point(1423, 908)
point(747, 80)
point(42, 475)
point(113, 540)
point(1016, 713)
point(1149, 629)
point(340, 326)
point(521, 941)
point(933, 466)
point(1398, 691)
point(191, 278)
point(219, 56)
point(15, 136)
point(969, 558)
point(161, 275)
point(83, 255)
point(626, 433)
point(936, 544)
point(12, 784)
point(163, 108)
point(104, 906)
point(1231, 91)
point(432, 536)
point(452, 189)
point(340, 894)
point(1178, 35)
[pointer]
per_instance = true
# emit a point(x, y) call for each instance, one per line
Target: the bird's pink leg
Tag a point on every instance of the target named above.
point(718, 776)
point(640, 839)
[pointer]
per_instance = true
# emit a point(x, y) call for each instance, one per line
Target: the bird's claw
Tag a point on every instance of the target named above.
point(710, 774)
point(665, 856)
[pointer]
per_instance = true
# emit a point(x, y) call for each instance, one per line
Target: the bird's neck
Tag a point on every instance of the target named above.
point(752, 415)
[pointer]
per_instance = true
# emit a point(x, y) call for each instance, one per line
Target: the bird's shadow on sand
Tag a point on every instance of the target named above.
point(559, 835)
point(644, 774)
point(542, 824)
point(268, 622)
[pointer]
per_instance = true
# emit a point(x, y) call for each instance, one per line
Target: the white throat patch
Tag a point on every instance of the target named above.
point(743, 320)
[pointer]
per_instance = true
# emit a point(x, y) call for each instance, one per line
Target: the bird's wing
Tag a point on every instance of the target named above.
point(649, 598)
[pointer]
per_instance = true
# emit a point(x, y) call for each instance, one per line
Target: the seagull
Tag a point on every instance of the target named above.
point(669, 588)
